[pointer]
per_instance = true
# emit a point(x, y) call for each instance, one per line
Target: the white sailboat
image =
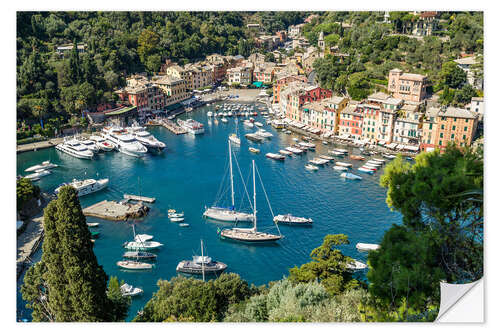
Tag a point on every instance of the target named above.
point(251, 235)
point(234, 138)
point(224, 213)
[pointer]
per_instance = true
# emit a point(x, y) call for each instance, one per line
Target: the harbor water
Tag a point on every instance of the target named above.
point(187, 177)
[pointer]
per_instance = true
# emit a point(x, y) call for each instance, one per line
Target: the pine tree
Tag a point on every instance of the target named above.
point(68, 284)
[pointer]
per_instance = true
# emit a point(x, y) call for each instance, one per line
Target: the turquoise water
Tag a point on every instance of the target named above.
point(187, 177)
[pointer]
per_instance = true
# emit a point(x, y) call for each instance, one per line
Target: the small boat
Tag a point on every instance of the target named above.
point(389, 156)
point(311, 167)
point(349, 175)
point(275, 156)
point(254, 137)
point(336, 153)
point(183, 224)
point(264, 133)
point(373, 166)
point(288, 132)
point(254, 150)
point(367, 247)
point(176, 219)
point(143, 238)
point(318, 161)
point(357, 157)
point(224, 120)
point(379, 160)
point(173, 213)
point(39, 174)
point(347, 165)
point(209, 113)
point(294, 150)
point(356, 265)
point(92, 225)
point(285, 152)
point(289, 219)
point(365, 170)
point(307, 145)
point(44, 165)
point(339, 168)
point(258, 124)
point(133, 265)
point(234, 139)
point(94, 234)
point(367, 166)
point(139, 255)
point(326, 157)
point(128, 290)
point(295, 139)
point(341, 150)
point(325, 142)
point(248, 123)
point(375, 162)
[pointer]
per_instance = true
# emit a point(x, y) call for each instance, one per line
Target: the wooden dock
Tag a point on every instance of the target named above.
point(139, 198)
point(116, 211)
point(171, 126)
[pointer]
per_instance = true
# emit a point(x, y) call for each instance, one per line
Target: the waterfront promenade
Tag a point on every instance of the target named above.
point(39, 145)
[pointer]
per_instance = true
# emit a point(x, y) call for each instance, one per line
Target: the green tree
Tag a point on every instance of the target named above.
point(358, 86)
point(451, 75)
point(67, 284)
point(25, 191)
point(121, 303)
point(147, 44)
point(426, 195)
point(75, 65)
point(329, 265)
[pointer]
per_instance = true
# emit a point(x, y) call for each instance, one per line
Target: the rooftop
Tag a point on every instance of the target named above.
point(413, 77)
point(457, 113)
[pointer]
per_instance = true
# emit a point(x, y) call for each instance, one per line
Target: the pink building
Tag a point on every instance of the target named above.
point(407, 86)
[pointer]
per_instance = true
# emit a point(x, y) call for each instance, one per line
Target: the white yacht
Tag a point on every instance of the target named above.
point(192, 126)
point(84, 187)
point(125, 142)
point(251, 235)
point(39, 174)
point(89, 144)
point(129, 290)
point(263, 133)
point(103, 144)
point(227, 213)
point(75, 148)
point(146, 138)
point(44, 166)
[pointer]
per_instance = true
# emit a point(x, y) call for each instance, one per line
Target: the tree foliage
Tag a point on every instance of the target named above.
point(25, 191)
point(328, 265)
point(68, 284)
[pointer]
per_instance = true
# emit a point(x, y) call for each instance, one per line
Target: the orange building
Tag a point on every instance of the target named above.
point(447, 125)
point(282, 82)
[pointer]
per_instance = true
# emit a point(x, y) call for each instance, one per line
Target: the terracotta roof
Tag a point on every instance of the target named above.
point(457, 113)
point(413, 77)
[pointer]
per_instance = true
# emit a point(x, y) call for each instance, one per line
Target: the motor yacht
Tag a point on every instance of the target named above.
point(84, 187)
point(125, 142)
point(75, 148)
point(102, 144)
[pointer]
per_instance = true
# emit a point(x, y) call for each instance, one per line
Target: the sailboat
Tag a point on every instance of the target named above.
point(251, 234)
point(139, 244)
point(224, 213)
point(234, 138)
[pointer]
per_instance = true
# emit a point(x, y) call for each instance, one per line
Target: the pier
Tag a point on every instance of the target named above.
point(116, 211)
point(170, 125)
point(139, 198)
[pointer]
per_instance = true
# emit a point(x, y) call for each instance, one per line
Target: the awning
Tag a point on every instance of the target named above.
point(412, 148)
point(258, 84)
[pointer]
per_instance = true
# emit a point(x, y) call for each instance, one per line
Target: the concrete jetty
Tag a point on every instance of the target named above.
point(38, 145)
point(139, 198)
point(116, 211)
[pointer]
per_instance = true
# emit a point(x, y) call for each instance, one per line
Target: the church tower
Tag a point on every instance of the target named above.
point(321, 42)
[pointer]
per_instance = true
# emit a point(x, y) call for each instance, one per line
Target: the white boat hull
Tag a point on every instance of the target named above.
point(225, 214)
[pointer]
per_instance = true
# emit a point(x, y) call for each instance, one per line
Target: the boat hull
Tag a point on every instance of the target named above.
point(72, 153)
point(249, 237)
point(221, 214)
point(187, 268)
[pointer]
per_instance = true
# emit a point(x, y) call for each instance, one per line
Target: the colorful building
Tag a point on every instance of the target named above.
point(350, 123)
point(407, 86)
point(408, 126)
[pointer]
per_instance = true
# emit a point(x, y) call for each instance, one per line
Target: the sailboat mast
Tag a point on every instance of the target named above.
point(231, 172)
point(254, 199)
point(202, 262)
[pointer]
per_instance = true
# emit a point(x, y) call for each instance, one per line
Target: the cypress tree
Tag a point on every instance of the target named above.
point(74, 64)
point(68, 284)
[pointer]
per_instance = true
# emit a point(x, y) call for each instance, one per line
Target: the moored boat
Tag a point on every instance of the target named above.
point(129, 290)
point(347, 165)
point(311, 167)
point(201, 265)
point(143, 238)
point(339, 168)
point(326, 157)
point(86, 186)
point(289, 219)
point(254, 137)
point(133, 265)
point(92, 225)
point(192, 126)
point(75, 148)
point(253, 150)
point(294, 150)
point(43, 166)
point(356, 265)
point(285, 152)
point(274, 156)
point(365, 170)
point(349, 175)
point(139, 255)
point(357, 157)
point(367, 246)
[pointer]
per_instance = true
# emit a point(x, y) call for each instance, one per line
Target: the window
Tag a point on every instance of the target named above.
point(430, 126)
point(441, 135)
point(464, 137)
point(453, 136)
point(454, 119)
point(440, 142)
point(442, 126)
point(466, 120)
point(453, 128)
